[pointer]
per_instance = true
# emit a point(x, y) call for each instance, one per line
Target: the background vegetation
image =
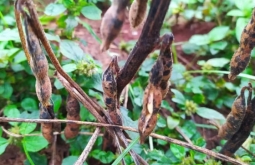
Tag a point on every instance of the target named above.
point(204, 92)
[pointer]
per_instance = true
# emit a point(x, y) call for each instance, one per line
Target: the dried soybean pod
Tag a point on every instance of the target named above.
point(235, 142)
point(166, 58)
point(47, 128)
point(112, 22)
point(38, 63)
point(73, 113)
point(235, 117)
point(242, 55)
point(137, 12)
point(151, 102)
point(110, 91)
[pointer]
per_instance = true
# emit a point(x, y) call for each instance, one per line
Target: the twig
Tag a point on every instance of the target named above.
point(147, 41)
point(248, 151)
point(115, 133)
point(89, 146)
point(183, 135)
point(175, 141)
point(54, 148)
point(126, 96)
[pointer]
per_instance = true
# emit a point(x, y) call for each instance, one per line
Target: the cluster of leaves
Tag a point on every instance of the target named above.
point(206, 93)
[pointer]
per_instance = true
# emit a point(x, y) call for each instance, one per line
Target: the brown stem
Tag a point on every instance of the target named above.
point(175, 141)
point(147, 41)
point(88, 148)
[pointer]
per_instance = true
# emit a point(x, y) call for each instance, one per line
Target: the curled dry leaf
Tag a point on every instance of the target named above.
point(242, 55)
point(137, 12)
point(112, 23)
point(73, 113)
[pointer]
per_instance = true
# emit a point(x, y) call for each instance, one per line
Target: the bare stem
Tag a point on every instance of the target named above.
point(175, 141)
point(88, 148)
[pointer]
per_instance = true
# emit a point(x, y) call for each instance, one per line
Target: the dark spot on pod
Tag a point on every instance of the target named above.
point(108, 100)
point(166, 72)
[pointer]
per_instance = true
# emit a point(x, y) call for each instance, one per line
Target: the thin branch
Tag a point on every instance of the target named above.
point(54, 148)
point(88, 148)
point(175, 141)
point(183, 135)
point(147, 41)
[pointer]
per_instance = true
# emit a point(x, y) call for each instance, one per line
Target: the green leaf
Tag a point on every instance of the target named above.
point(3, 147)
point(11, 111)
point(218, 62)
point(91, 31)
point(218, 33)
point(9, 35)
point(71, 50)
point(34, 143)
point(57, 100)
point(7, 90)
point(200, 39)
point(235, 13)
point(178, 97)
point(29, 104)
point(118, 160)
point(69, 67)
point(244, 4)
point(71, 23)
point(54, 9)
point(179, 151)
point(127, 121)
point(91, 12)
point(104, 157)
point(37, 159)
point(240, 24)
point(71, 160)
point(161, 122)
point(3, 140)
point(172, 122)
point(26, 128)
point(209, 113)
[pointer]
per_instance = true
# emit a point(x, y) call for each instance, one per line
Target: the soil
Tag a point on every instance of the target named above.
point(182, 33)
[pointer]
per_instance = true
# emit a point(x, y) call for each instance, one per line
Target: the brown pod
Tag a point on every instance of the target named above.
point(47, 128)
point(110, 91)
point(112, 22)
point(38, 63)
point(235, 117)
point(151, 102)
point(151, 106)
point(137, 12)
point(73, 113)
point(242, 55)
point(166, 58)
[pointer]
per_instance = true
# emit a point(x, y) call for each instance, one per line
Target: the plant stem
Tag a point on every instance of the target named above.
point(27, 154)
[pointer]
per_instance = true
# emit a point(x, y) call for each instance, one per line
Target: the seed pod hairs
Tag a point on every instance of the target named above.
point(110, 91)
point(242, 55)
point(137, 12)
point(73, 113)
point(235, 117)
point(151, 102)
point(166, 58)
point(112, 22)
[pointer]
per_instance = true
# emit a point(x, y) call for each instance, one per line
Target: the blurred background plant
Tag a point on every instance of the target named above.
point(207, 32)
